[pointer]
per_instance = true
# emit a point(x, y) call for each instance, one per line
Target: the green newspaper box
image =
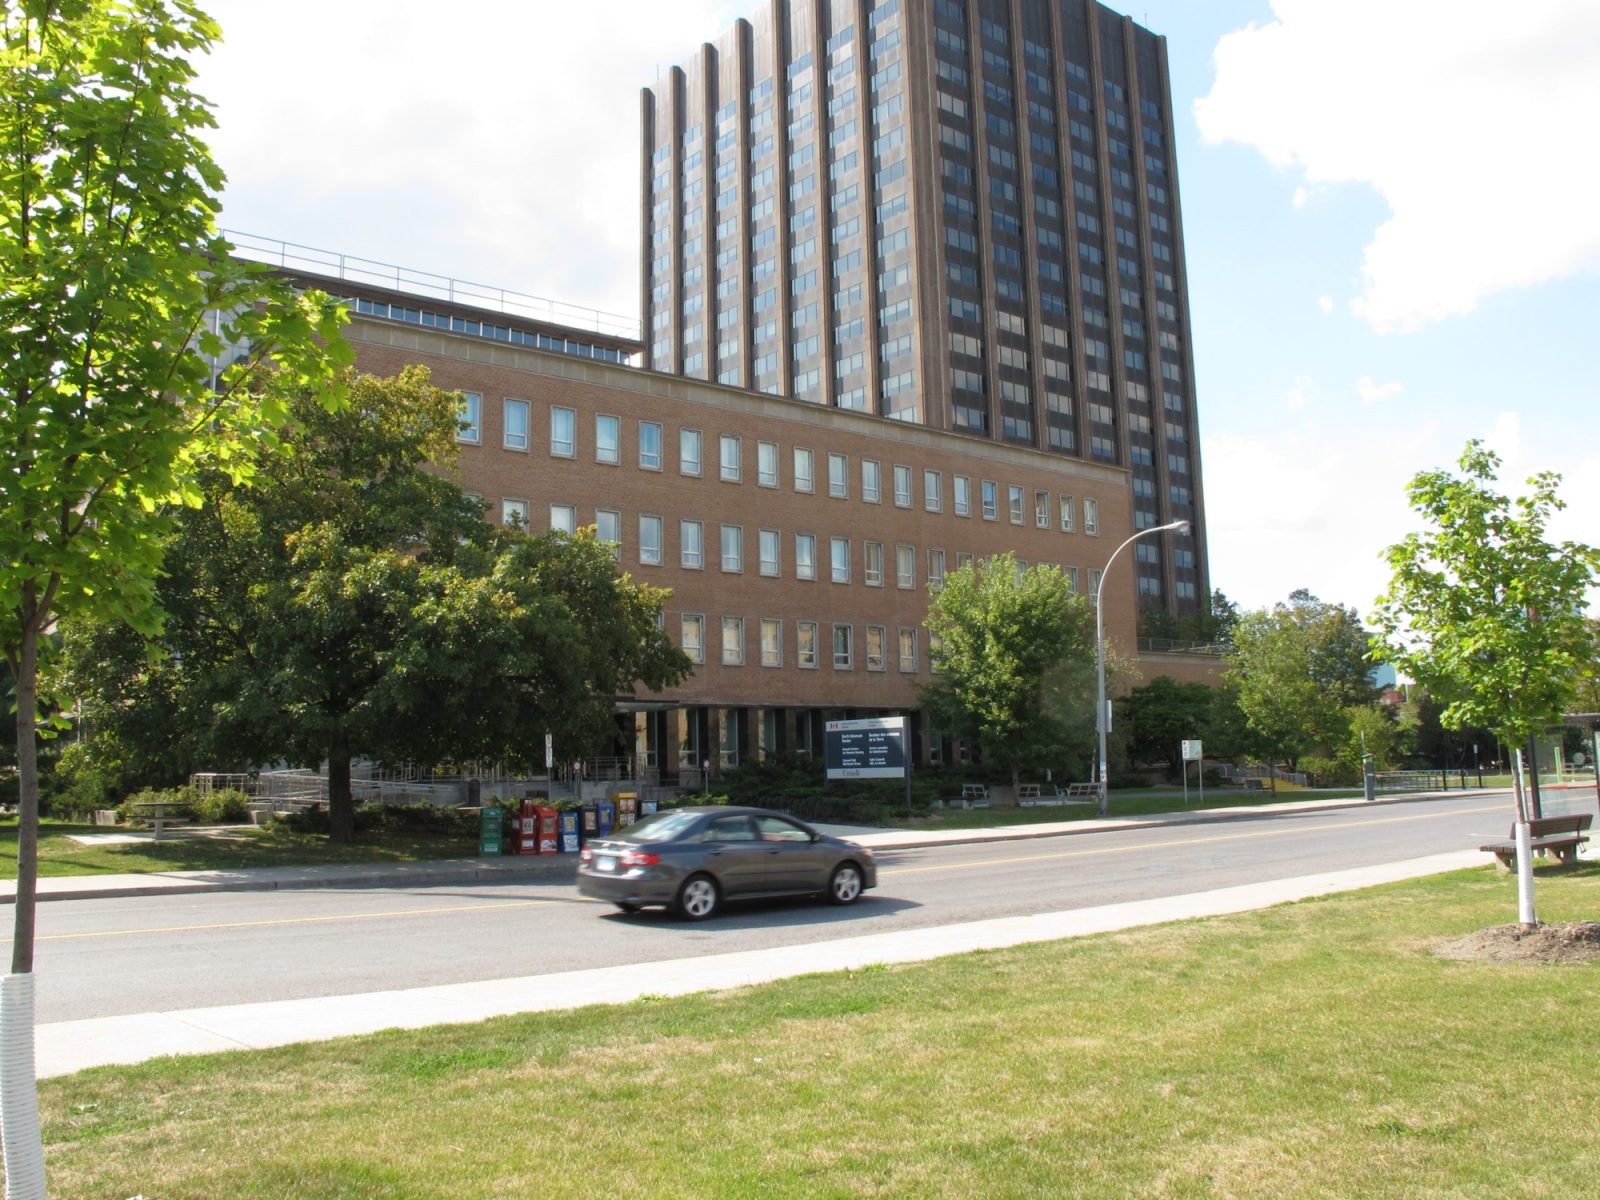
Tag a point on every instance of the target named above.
point(491, 829)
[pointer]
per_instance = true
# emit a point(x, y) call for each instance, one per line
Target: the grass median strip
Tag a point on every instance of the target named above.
point(244, 846)
point(1316, 1049)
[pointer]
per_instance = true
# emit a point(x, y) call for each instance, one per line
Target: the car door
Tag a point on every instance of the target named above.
point(794, 860)
point(733, 853)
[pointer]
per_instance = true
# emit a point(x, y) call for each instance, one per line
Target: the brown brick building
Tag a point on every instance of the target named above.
point(913, 291)
point(798, 541)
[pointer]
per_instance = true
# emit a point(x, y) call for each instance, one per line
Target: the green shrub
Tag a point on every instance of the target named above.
point(74, 788)
point(447, 821)
point(1329, 772)
point(223, 806)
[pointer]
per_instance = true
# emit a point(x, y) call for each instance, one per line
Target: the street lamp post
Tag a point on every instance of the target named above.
point(1100, 714)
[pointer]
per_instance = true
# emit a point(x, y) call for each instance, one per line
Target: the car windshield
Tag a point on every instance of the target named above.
point(659, 827)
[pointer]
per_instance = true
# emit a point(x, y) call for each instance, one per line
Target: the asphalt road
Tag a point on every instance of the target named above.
point(112, 957)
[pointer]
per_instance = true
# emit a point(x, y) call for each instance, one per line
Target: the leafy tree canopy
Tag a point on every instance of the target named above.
point(1482, 608)
point(1298, 667)
point(1158, 717)
point(1014, 650)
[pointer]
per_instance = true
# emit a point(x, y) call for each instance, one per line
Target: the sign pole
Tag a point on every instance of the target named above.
point(1183, 763)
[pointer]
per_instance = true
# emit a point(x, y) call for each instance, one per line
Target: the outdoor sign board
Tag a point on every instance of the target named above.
point(874, 748)
point(1191, 751)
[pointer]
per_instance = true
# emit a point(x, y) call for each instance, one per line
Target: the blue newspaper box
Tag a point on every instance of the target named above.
point(569, 833)
point(606, 818)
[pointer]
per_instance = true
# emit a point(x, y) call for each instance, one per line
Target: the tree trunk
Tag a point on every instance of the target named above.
point(1537, 810)
point(27, 672)
point(341, 805)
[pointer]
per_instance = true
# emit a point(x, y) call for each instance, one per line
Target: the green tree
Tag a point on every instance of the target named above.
point(1158, 717)
point(1015, 656)
point(353, 603)
point(1298, 667)
point(1373, 729)
point(1586, 681)
point(1486, 612)
point(110, 400)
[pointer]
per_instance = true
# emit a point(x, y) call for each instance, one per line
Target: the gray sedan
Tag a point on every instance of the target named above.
point(692, 859)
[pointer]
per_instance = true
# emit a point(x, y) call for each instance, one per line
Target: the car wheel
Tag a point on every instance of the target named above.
point(698, 898)
point(845, 885)
point(629, 907)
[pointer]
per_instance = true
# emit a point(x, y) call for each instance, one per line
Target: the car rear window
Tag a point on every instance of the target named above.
point(659, 827)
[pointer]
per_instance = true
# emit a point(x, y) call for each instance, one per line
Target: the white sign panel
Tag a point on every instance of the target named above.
point(1191, 751)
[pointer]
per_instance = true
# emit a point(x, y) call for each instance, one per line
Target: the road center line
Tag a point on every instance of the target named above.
point(1145, 847)
point(376, 916)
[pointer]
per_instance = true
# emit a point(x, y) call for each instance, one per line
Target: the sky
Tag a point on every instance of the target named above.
point(1391, 215)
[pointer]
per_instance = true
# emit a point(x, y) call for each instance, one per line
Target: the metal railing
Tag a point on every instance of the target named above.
point(1420, 781)
point(293, 257)
point(1242, 774)
point(1176, 646)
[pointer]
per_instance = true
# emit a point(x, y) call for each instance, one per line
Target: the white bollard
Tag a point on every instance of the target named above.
point(1525, 879)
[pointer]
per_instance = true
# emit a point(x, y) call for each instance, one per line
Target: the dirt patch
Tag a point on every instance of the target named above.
point(1556, 942)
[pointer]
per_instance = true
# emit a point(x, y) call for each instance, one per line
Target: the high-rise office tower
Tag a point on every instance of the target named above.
point(958, 213)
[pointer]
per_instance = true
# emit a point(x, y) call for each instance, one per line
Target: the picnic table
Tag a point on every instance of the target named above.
point(161, 813)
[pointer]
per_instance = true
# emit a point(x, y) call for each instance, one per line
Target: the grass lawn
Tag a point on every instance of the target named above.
point(1313, 1050)
point(268, 846)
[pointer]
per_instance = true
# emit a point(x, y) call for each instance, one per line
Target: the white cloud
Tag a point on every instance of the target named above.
point(1311, 508)
point(499, 144)
point(1473, 119)
point(1372, 393)
point(1301, 392)
point(1315, 505)
point(1301, 195)
point(1579, 489)
point(1325, 303)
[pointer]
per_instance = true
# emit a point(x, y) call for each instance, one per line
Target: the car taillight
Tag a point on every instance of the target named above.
point(640, 858)
point(585, 855)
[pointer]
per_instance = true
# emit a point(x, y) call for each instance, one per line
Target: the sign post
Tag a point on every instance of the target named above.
point(1192, 753)
point(872, 748)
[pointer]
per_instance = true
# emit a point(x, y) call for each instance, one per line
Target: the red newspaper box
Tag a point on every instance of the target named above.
point(526, 840)
point(549, 830)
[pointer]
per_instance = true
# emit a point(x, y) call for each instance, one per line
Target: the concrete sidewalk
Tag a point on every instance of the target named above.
point(70, 1046)
point(512, 868)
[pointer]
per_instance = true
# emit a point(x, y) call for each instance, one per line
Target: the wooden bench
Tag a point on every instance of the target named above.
point(1027, 792)
point(974, 795)
point(1560, 836)
point(1255, 785)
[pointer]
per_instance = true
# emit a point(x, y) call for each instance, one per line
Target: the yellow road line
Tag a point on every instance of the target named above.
point(1146, 847)
point(376, 916)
